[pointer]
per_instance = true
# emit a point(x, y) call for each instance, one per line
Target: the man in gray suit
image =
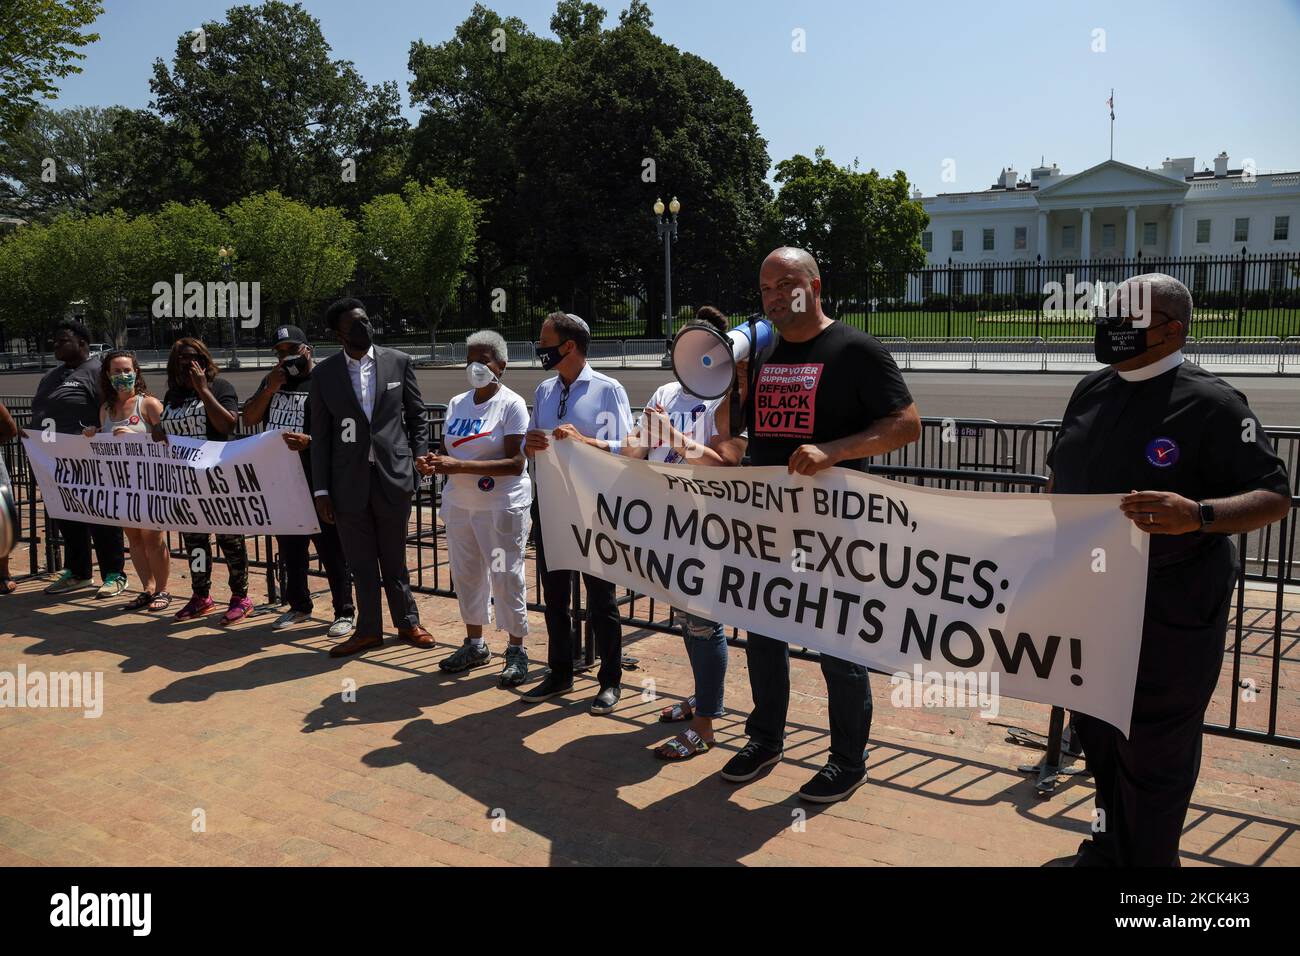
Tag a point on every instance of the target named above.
point(367, 429)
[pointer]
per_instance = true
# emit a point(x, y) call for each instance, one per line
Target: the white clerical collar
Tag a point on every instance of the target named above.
point(1158, 367)
point(370, 354)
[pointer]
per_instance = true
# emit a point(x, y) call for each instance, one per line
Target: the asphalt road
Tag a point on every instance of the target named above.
point(1005, 397)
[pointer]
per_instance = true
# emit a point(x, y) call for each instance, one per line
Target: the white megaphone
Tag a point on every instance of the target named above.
point(704, 360)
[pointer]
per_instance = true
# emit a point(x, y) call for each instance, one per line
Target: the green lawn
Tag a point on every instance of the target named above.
point(915, 325)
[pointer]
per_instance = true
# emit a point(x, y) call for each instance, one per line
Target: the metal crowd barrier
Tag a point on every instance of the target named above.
point(960, 454)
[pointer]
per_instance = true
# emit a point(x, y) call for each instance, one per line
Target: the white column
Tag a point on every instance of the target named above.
point(1085, 236)
point(1042, 234)
point(1130, 232)
point(1176, 231)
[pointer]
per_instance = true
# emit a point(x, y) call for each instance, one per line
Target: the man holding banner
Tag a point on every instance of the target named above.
point(1195, 466)
point(827, 395)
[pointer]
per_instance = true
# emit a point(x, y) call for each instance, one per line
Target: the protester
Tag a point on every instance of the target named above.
point(485, 508)
point(367, 427)
point(281, 402)
point(1206, 471)
point(678, 426)
point(8, 430)
point(200, 404)
point(67, 400)
point(860, 407)
point(129, 409)
point(576, 402)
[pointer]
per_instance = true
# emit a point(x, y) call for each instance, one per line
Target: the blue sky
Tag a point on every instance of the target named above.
point(896, 85)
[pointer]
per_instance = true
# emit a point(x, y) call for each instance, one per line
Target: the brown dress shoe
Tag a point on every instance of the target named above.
point(356, 644)
point(416, 636)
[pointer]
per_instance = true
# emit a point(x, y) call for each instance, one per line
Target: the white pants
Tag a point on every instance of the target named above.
point(487, 563)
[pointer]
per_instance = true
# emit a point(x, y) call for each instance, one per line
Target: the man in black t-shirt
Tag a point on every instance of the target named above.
point(1203, 470)
point(827, 395)
point(281, 402)
point(68, 399)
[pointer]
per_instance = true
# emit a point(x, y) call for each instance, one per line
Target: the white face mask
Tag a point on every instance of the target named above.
point(479, 375)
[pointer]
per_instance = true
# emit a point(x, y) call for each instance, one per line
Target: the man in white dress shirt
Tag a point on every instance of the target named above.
point(580, 404)
point(367, 429)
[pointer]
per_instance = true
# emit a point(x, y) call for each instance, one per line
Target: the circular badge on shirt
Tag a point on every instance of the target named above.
point(1162, 452)
point(134, 420)
point(486, 484)
point(809, 382)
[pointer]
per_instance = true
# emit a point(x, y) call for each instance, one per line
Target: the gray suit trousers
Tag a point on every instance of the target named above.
point(374, 540)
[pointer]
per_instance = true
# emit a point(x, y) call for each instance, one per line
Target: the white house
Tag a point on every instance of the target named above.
point(1117, 211)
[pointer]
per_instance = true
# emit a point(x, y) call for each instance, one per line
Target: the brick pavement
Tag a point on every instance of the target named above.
point(287, 757)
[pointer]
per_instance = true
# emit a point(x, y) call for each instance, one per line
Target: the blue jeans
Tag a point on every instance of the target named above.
point(848, 699)
point(706, 646)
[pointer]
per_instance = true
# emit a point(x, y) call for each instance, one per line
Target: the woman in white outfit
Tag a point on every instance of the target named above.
point(485, 502)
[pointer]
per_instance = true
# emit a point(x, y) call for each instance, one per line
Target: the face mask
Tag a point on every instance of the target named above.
point(295, 367)
point(479, 375)
point(549, 357)
point(124, 382)
point(1116, 343)
point(359, 336)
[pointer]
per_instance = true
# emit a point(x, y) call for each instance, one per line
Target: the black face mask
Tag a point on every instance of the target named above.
point(295, 367)
point(549, 357)
point(1116, 343)
point(360, 336)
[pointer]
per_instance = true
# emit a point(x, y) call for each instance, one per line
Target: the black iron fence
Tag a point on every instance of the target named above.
point(1235, 295)
point(961, 454)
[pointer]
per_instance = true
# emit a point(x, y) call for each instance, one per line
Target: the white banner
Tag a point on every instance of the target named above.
point(1045, 591)
point(253, 485)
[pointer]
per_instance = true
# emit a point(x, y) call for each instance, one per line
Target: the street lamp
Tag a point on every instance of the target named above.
point(667, 227)
point(225, 253)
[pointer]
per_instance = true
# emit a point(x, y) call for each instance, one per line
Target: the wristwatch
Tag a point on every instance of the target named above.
point(1207, 514)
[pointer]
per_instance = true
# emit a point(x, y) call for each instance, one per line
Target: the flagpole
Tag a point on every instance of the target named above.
point(1112, 122)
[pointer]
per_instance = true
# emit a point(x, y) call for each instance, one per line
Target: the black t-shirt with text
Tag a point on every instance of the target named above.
point(289, 410)
point(184, 414)
point(69, 397)
point(834, 385)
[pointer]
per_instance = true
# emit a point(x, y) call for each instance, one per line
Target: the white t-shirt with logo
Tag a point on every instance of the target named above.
point(694, 417)
point(478, 433)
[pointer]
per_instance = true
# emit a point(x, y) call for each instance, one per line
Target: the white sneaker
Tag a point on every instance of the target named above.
point(341, 627)
point(289, 619)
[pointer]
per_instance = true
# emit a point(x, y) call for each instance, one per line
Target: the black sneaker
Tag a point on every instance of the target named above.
point(465, 657)
point(551, 686)
point(605, 700)
point(749, 763)
point(832, 784)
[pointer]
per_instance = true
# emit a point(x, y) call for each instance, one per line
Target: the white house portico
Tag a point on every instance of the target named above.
point(1116, 211)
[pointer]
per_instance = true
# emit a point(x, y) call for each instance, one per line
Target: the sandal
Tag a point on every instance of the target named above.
point(678, 712)
point(161, 601)
point(139, 602)
point(8, 585)
point(684, 746)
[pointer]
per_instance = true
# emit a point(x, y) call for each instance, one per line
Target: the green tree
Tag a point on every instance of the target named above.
point(114, 260)
point(625, 119)
point(473, 90)
point(256, 103)
point(39, 44)
point(299, 254)
point(854, 223)
point(36, 285)
point(51, 165)
point(418, 243)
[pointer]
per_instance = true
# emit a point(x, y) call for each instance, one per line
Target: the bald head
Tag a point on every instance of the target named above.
point(792, 256)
